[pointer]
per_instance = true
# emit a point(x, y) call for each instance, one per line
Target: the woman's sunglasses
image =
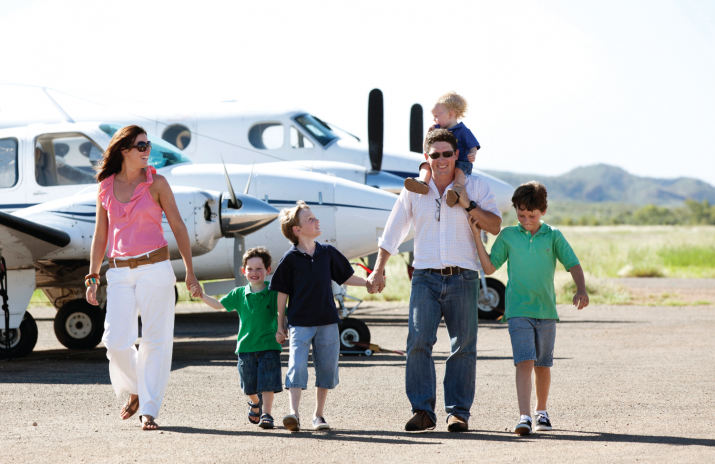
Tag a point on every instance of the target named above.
point(141, 146)
point(435, 155)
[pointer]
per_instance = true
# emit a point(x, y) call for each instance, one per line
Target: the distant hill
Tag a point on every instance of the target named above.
point(603, 183)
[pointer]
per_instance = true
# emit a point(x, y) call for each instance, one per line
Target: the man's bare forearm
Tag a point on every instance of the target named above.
point(382, 257)
point(488, 221)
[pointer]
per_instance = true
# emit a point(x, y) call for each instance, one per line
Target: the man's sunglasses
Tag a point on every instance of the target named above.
point(141, 146)
point(435, 155)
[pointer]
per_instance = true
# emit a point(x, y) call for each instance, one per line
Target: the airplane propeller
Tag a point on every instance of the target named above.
point(375, 127)
point(416, 128)
point(234, 203)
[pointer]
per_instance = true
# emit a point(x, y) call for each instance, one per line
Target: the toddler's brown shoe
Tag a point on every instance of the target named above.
point(452, 198)
point(420, 421)
point(416, 186)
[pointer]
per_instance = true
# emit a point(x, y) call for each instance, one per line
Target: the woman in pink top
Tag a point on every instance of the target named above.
point(140, 281)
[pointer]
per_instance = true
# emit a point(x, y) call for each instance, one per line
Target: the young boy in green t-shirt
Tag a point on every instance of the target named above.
point(259, 362)
point(531, 249)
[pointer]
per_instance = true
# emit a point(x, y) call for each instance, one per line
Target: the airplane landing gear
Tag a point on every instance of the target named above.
point(491, 299)
point(79, 325)
point(352, 331)
point(22, 340)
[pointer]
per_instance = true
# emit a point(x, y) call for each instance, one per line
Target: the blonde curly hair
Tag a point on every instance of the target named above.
point(454, 102)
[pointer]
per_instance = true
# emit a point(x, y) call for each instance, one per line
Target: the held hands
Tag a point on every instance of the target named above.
point(282, 333)
point(196, 290)
point(91, 295)
point(580, 300)
point(193, 285)
point(375, 282)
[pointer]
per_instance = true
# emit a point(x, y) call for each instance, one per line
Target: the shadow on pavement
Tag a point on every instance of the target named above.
point(399, 437)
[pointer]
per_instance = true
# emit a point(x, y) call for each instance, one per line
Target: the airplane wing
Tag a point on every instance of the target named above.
point(24, 241)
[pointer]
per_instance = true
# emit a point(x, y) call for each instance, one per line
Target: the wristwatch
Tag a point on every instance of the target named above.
point(471, 206)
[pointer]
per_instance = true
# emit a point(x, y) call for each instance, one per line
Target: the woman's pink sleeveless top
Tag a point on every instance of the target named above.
point(134, 227)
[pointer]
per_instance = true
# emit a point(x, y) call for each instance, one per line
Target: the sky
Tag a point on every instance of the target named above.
point(552, 84)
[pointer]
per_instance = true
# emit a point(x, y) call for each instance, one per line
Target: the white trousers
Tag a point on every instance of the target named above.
point(147, 291)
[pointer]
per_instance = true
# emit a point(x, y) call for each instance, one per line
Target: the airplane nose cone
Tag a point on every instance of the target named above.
point(360, 217)
point(253, 215)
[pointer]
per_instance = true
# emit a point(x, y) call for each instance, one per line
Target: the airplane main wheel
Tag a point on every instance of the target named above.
point(351, 331)
point(79, 325)
point(491, 300)
point(22, 340)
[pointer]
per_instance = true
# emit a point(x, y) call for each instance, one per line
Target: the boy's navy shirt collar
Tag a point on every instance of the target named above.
point(318, 249)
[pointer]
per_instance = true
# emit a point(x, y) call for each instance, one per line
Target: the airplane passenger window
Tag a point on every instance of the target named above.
point(8, 163)
point(266, 135)
point(298, 140)
point(65, 159)
point(178, 135)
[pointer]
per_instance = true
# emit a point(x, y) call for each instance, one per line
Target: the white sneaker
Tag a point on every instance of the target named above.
point(523, 427)
point(542, 422)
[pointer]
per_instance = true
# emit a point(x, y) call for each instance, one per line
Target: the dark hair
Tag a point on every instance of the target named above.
point(112, 158)
point(258, 252)
point(530, 196)
point(440, 135)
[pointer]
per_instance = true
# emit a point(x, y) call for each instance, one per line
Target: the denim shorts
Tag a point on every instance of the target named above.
point(465, 166)
point(533, 340)
point(260, 371)
point(326, 351)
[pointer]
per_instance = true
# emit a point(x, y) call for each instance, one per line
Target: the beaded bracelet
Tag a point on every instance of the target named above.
point(90, 281)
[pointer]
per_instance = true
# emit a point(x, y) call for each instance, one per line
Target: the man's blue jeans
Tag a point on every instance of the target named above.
point(454, 297)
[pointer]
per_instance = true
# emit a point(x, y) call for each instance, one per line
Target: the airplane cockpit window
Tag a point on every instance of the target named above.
point(316, 128)
point(178, 135)
point(266, 135)
point(65, 159)
point(8, 163)
point(162, 154)
point(298, 140)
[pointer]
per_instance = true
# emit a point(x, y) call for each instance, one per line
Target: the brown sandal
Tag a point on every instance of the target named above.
point(149, 423)
point(131, 408)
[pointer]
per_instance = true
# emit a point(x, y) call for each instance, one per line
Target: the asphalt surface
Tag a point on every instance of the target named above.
point(629, 384)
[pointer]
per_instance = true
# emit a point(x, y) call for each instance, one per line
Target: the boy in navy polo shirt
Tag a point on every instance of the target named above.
point(304, 274)
point(447, 112)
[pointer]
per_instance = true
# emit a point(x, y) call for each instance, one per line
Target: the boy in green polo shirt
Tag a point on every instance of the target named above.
point(259, 362)
point(531, 249)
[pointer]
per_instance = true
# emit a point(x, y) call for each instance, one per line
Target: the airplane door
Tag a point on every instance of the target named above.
point(62, 165)
point(13, 189)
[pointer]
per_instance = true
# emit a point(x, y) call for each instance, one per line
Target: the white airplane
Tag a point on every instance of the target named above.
point(295, 140)
point(47, 210)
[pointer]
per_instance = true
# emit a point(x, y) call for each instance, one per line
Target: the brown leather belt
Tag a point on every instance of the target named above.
point(156, 256)
point(448, 271)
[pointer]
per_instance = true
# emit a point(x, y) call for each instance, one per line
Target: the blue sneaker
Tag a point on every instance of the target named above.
point(523, 427)
point(542, 422)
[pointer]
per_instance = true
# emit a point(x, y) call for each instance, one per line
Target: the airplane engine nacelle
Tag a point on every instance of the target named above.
point(199, 211)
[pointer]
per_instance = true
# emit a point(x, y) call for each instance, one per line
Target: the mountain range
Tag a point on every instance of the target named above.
point(602, 183)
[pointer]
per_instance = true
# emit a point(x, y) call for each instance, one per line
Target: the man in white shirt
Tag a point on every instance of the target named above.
point(445, 282)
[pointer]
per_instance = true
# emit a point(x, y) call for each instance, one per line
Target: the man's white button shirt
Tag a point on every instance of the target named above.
point(443, 237)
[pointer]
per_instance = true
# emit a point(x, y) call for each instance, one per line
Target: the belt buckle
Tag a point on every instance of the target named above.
point(441, 271)
point(132, 263)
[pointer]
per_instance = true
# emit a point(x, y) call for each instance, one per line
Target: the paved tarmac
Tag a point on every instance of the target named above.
point(630, 384)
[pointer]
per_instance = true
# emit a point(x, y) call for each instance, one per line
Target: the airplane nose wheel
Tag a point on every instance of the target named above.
point(352, 331)
point(22, 340)
point(79, 325)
